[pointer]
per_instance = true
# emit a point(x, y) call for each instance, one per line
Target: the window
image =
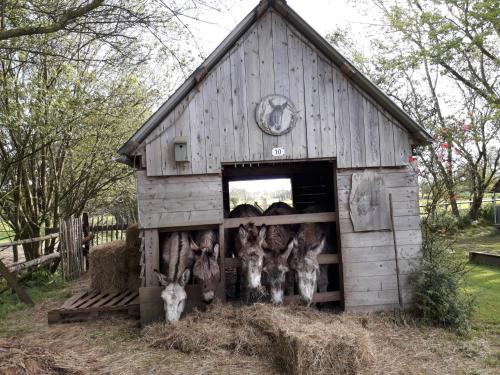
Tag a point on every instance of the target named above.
point(261, 193)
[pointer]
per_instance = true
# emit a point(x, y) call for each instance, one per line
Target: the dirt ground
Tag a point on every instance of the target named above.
point(116, 346)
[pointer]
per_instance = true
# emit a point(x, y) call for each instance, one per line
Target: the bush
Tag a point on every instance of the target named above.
point(440, 296)
point(487, 213)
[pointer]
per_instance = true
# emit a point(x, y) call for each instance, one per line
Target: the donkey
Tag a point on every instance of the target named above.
point(307, 244)
point(277, 251)
point(276, 115)
point(206, 268)
point(177, 259)
point(248, 244)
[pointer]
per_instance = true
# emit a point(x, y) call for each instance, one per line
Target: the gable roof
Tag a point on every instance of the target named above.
point(418, 133)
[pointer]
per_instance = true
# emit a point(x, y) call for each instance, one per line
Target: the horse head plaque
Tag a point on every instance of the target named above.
point(276, 114)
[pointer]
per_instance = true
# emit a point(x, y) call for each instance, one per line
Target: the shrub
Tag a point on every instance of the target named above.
point(487, 213)
point(440, 296)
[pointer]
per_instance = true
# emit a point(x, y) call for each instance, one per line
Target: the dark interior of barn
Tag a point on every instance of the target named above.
point(312, 184)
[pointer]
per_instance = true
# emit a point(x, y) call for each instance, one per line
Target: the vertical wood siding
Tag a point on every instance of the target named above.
point(368, 262)
point(335, 118)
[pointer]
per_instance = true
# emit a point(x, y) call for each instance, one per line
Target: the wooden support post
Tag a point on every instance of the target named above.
point(400, 298)
point(12, 281)
point(86, 245)
point(152, 256)
point(222, 255)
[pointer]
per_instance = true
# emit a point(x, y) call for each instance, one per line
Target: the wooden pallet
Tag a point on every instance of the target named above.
point(92, 305)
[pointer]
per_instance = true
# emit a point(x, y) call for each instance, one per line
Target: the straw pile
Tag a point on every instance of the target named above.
point(114, 266)
point(20, 359)
point(295, 340)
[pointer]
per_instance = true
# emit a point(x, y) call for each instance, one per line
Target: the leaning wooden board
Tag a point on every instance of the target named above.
point(92, 305)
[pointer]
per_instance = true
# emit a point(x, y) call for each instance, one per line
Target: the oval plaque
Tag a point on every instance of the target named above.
point(276, 114)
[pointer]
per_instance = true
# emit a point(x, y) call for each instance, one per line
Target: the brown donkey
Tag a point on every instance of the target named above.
point(206, 267)
point(248, 241)
point(277, 252)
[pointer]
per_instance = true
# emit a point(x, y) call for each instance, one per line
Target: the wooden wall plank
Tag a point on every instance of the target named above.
point(312, 107)
point(183, 129)
point(379, 253)
point(224, 103)
point(296, 77)
point(153, 153)
point(266, 75)
point(401, 145)
point(182, 219)
point(386, 141)
point(198, 163)
point(211, 120)
point(281, 74)
point(357, 129)
point(372, 138)
point(327, 109)
point(239, 104)
point(343, 130)
point(253, 97)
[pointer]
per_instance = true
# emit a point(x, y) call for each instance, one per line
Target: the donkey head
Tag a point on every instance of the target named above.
point(174, 295)
point(305, 263)
point(206, 269)
point(276, 114)
point(251, 252)
point(275, 269)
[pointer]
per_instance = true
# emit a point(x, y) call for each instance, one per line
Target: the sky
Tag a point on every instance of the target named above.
point(322, 15)
point(261, 185)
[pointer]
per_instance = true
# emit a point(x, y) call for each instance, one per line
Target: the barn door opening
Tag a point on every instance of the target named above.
point(309, 187)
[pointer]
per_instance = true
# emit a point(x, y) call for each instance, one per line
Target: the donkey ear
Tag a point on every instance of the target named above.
point(216, 251)
point(243, 234)
point(319, 248)
point(161, 278)
point(185, 277)
point(288, 250)
point(262, 234)
point(193, 245)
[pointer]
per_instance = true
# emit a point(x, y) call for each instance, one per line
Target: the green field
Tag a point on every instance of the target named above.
point(483, 281)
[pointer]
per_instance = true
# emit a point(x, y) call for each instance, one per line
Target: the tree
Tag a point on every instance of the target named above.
point(437, 60)
point(73, 87)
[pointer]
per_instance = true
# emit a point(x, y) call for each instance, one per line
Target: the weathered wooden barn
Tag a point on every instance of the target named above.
point(275, 99)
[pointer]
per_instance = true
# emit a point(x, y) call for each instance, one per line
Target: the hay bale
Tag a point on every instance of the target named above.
point(295, 341)
point(114, 266)
point(17, 359)
point(133, 255)
point(108, 267)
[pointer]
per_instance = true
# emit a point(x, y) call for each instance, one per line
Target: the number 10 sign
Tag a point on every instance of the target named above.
point(278, 151)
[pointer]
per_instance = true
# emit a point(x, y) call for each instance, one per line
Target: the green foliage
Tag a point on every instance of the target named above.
point(487, 213)
point(40, 285)
point(440, 296)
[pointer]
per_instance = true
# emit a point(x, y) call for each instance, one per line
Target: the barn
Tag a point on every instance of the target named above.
point(275, 99)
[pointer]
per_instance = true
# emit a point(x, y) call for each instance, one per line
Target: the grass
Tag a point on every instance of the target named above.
point(6, 233)
point(41, 286)
point(483, 281)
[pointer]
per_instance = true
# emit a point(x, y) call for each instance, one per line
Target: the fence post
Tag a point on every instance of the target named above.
point(71, 247)
point(86, 232)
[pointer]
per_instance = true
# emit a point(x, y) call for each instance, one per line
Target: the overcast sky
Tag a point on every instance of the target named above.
point(323, 15)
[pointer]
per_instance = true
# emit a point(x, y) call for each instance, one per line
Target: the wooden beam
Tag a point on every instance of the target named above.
point(11, 280)
point(29, 240)
point(321, 217)
point(35, 262)
point(322, 259)
point(317, 298)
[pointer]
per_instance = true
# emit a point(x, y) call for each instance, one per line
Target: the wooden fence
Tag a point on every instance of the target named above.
point(75, 237)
